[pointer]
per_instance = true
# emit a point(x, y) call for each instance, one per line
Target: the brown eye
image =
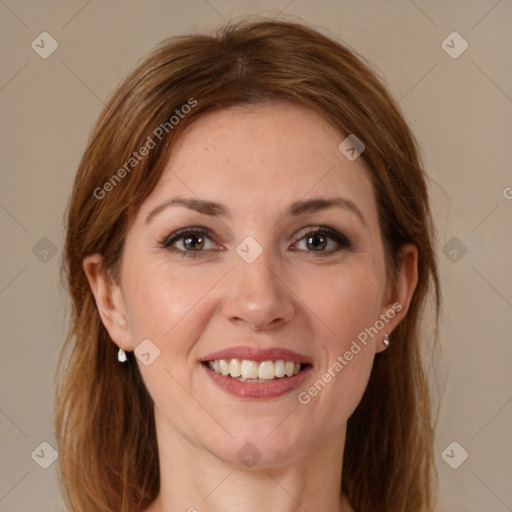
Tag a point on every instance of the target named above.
point(324, 240)
point(317, 242)
point(189, 241)
point(193, 242)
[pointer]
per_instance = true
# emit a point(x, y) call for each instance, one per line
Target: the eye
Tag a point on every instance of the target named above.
point(192, 240)
point(320, 238)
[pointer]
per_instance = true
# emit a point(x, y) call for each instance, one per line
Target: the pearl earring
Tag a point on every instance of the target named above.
point(121, 356)
point(386, 340)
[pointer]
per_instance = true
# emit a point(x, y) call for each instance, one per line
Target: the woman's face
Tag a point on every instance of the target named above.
point(255, 280)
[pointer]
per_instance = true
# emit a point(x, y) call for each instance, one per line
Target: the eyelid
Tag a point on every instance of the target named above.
point(180, 233)
point(324, 230)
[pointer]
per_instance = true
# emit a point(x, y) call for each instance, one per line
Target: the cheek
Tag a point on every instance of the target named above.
point(347, 307)
point(346, 301)
point(169, 308)
point(160, 304)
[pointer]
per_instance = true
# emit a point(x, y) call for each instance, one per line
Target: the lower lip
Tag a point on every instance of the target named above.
point(258, 390)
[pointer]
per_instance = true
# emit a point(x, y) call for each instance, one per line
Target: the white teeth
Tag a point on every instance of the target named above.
point(235, 368)
point(266, 370)
point(224, 367)
point(247, 370)
point(280, 368)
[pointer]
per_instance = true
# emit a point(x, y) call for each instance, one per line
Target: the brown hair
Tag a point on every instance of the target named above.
point(108, 455)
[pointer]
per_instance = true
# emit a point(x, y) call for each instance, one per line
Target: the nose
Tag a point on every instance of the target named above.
point(258, 296)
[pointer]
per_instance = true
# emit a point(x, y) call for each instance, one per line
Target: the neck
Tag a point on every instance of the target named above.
point(193, 479)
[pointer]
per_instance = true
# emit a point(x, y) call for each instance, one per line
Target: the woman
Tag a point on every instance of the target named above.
point(249, 250)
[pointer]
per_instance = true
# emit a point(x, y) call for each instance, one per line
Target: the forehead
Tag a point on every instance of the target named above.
point(263, 156)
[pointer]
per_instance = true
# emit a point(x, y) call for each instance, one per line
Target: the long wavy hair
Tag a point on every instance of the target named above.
point(104, 423)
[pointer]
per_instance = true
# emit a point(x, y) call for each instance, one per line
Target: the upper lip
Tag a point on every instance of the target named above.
point(257, 354)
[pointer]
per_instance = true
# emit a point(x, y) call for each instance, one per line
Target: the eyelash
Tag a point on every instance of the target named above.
point(341, 239)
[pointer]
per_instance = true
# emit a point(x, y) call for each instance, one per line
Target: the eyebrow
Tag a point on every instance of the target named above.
point(297, 208)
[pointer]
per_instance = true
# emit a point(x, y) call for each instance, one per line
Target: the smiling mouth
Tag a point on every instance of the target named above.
point(247, 370)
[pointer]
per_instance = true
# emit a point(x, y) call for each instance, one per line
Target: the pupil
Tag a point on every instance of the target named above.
point(316, 238)
point(189, 242)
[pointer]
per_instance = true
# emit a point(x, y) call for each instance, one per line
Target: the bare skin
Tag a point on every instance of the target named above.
point(311, 296)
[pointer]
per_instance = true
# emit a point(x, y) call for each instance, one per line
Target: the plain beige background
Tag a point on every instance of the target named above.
point(459, 108)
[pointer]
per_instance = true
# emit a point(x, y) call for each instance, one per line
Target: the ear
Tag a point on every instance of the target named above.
point(399, 292)
point(109, 301)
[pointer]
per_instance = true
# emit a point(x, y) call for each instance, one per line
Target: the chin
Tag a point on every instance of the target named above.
point(257, 452)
